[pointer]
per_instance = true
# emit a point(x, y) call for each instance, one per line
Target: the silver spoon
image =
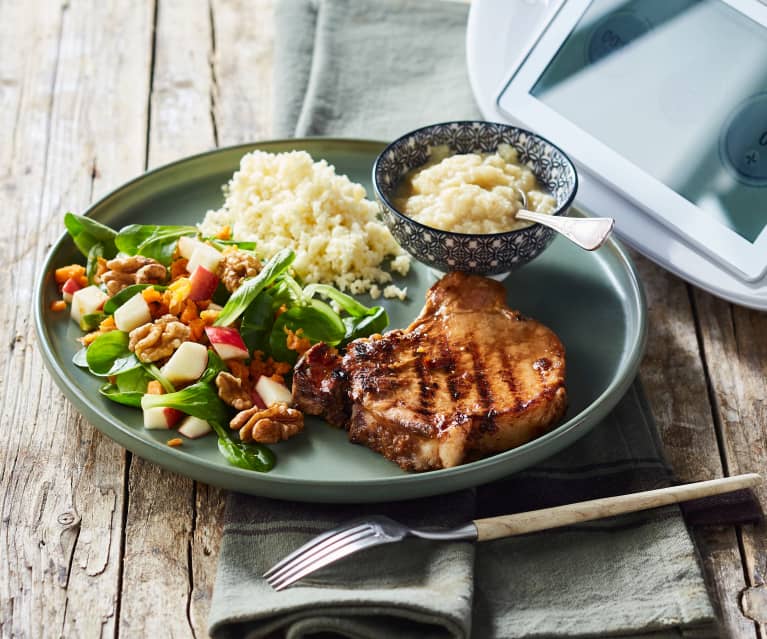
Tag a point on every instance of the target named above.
point(587, 232)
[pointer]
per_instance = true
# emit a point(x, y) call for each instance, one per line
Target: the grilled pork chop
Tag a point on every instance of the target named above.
point(469, 377)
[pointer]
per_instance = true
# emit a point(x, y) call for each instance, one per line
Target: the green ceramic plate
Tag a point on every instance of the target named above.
point(592, 300)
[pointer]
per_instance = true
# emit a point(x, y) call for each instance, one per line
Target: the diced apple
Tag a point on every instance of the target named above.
point(272, 392)
point(134, 313)
point(70, 287)
point(226, 341)
point(205, 255)
point(186, 246)
point(204, 284)
point(194, 427)
point(161, 417)
point(187, 363)
point(86, 301)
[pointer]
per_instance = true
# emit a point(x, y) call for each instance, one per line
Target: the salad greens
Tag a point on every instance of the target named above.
point(94, 253)
point(248, 456)
point(201, 400)
point(128, 388)
point(257, 320)
point(109, 355)
point(157, 374)
point(362, 321)
point(87, 234)
point(269, 310)
point(152, 240)
point(222, 244)
point(250, 288)
point(316, 321)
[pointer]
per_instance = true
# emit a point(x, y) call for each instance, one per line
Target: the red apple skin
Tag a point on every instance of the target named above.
point(256, 398)
point(70, 286)
point(229, 338)
point(172, 416)
point(203, 283)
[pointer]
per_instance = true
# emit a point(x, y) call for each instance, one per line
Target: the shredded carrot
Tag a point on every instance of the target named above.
point(58, 305)
point(238, 369)
point(176, 294)
point(176, 441)
point(108, 324)
point(82, 280)
point(197, 330)
point(189, 313)
point(178, 268)
point(154, 388)
point(280, 311)
point(73, 271)
point(85, 340)
point(295, 342)
point(280, 368)
point(225, 233)
point(268, 368)
point(151, 294)
point(158, 309)
point(208, 317)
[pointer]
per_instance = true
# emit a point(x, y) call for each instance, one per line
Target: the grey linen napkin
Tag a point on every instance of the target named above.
point(375, 69)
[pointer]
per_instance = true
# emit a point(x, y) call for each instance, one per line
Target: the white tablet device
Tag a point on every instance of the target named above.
point(664, 102)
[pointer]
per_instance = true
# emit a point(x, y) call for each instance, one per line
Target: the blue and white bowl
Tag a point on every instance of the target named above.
point(487, 254)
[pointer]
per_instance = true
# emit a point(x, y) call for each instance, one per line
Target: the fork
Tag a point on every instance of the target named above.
point(376, 530)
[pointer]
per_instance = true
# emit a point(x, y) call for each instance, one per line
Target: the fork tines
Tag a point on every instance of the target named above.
point(321, 551)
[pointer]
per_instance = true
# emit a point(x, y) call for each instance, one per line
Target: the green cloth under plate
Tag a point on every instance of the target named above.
point(376, 69)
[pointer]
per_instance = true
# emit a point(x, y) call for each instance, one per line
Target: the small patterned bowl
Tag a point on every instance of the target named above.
point(487, 254)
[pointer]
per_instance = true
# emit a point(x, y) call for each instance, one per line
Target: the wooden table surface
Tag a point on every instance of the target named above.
point(97, 542)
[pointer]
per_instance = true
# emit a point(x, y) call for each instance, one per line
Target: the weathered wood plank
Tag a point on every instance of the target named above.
point(159, 580)
point(736, 354)
point(675, 380)
point(205, 543)
point(61, 482)
point(244, 41)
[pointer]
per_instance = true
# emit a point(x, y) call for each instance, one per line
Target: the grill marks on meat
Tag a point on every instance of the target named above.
point(469, 377)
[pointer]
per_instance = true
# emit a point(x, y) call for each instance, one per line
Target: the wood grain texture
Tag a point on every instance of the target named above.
point(242, 63)
point(61, 482)
point(158, 576)
point(674, 376)
point(735, 349)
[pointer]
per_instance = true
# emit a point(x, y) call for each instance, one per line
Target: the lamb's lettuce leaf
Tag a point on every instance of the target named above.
point(252, 286)
point(152, 240)
point(109, 355)
point(87, 233)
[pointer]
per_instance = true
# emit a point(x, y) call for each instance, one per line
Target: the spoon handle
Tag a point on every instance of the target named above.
point(587, 232)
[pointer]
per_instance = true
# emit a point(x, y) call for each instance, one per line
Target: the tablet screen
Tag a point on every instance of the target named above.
point(678, 87)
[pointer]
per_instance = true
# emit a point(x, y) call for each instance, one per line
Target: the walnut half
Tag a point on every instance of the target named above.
point(235, 266)
point(159, 339)
point(268, 426)
point(231, 391)
point(132, 269)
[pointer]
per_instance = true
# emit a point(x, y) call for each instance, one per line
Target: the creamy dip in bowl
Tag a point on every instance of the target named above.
point(471, 192)
point(456, 213)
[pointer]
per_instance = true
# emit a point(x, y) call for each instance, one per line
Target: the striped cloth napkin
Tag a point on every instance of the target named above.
point(377, 68)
